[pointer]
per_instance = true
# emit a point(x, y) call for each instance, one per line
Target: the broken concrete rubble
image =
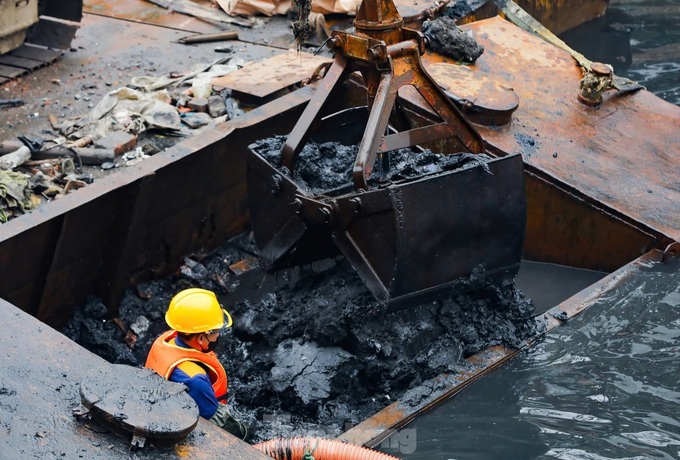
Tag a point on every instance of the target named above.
point(115, 126)
point(117, 142)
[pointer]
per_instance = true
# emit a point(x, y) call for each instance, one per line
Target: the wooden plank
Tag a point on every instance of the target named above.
point(36, 53)
point(23, 63)
point(10, 72)
point(270, 75)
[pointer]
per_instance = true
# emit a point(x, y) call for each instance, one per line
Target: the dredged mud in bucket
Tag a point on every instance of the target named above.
point(311, 351)
point(326, 166)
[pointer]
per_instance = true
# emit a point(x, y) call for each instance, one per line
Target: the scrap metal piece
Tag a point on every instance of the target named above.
point(259, 80)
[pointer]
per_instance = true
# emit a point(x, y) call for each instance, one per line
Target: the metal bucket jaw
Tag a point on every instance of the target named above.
point(408, 240)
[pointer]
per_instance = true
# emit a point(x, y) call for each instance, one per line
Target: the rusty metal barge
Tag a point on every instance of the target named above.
point(601, 190)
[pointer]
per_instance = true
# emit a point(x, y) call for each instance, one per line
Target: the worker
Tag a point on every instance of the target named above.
point(185, 355)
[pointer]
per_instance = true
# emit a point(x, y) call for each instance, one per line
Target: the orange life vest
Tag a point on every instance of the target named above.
point(165, 356)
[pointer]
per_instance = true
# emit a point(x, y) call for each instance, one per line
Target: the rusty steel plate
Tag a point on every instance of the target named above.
point(482, 99)
point(265, 77)
point(139, 401)
point(147, 12)
point(623, 155)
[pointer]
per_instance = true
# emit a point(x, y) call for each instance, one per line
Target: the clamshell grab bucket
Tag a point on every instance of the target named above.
point(409, 237)
point(408, 240)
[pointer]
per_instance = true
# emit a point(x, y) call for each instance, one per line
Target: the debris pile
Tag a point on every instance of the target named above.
point(16, 197)
point(126, 126)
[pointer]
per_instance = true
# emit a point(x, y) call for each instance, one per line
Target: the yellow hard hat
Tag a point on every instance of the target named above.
point(196, 310)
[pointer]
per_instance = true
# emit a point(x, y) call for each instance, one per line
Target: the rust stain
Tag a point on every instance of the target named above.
point(270, 75)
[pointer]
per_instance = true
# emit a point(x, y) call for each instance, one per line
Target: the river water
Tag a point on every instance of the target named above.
point(605, 385)
point(602, 386)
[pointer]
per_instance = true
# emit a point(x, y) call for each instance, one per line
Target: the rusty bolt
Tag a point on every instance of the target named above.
point(371, 54)
point(333, 43)
point(594, 83)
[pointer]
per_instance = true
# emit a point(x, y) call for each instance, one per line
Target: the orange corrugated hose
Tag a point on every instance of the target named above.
point(318, 448)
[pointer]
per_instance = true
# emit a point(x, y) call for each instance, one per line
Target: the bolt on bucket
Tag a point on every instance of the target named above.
point(411, 235)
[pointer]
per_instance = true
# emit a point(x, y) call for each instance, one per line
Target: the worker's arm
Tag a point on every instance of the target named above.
point(199, 387)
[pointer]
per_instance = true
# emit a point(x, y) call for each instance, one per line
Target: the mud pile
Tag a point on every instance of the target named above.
point(447, 39)
point(325, 166)
point(317, 353)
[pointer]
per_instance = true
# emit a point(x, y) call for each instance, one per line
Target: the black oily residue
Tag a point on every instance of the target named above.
point(528, 143)
point(317, 355)
point(321, 167)
point(447, 39)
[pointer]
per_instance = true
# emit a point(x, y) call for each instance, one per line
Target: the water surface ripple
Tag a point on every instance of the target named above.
point(603, 386)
